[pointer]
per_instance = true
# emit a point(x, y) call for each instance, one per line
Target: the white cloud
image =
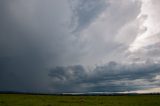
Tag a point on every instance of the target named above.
point(103, 37)
point(151, 23)
point(152, 90)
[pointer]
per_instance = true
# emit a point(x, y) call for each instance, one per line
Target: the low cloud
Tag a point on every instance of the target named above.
point(112, 77)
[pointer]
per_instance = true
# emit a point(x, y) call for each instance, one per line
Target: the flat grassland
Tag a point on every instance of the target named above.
point(51, 100)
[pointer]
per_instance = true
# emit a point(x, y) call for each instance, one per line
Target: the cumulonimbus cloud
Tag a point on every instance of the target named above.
point(36, 36)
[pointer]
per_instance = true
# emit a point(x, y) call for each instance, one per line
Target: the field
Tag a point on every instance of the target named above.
point(49, 100)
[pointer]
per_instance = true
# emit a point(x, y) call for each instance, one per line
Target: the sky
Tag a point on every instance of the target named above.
point(79, 46)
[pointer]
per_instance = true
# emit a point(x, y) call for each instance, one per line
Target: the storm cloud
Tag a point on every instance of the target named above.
point(27, 50)
point(112, 77)
point(79, 45)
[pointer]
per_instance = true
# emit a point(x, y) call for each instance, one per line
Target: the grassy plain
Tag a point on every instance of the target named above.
point(49, 100)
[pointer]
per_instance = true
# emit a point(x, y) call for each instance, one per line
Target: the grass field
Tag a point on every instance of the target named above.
point(49, 100)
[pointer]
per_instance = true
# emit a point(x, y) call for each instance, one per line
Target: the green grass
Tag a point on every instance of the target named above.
point(48, 100)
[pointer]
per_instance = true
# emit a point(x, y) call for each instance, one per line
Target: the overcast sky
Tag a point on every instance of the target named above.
point(61, 46)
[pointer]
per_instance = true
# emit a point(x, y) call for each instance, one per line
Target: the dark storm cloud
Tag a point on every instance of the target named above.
point(67, 78)
point(26, 48)
point(34, 36)
point(112, 77)
point(21, 74)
